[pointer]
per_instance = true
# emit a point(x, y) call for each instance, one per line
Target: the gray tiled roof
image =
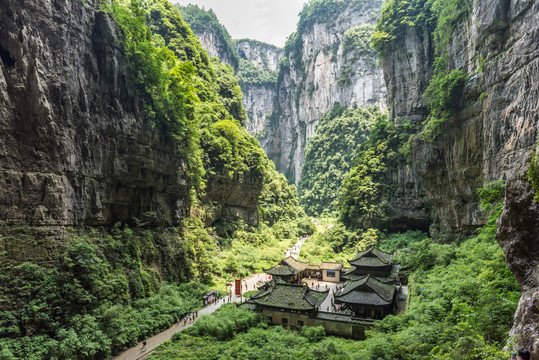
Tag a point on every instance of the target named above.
point(372, 258)
point(330, 266)
point(287, 267)
point(367, 290)
point(281, 270)
point(298, 265)
point(290, 296)
point(390, 279)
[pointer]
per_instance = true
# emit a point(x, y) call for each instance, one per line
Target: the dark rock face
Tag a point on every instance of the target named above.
point(496, 122)
point(487, 137)
point(518, 235)
point(73, 147)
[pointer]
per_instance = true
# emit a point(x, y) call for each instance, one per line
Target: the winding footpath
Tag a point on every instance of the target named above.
point(136, 352)
point(248, 284)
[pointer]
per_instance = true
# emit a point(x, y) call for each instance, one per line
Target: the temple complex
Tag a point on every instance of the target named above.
point(345, 301)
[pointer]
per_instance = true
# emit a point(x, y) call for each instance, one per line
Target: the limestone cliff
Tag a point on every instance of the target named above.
point(494, 123)
point(213, 36)
point(262, 55)
point(257, 74)
point(518, 234)
point(74, 147)
point(490, 130)
point(321, 68)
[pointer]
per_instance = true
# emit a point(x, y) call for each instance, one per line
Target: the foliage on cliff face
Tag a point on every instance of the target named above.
point(436, 18)
point(364, 201)
point(330, 154)
point(250, 75)
point(533, 175)
point(201, 20)
point(113, 287)
point(102, 295)
point(320, 12)
point(358, 41)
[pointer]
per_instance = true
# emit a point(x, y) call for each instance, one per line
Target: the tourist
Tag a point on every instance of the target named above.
point(143, 345)
point(523, 354)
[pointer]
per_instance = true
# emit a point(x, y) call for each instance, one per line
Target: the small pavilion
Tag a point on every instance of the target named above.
point(289, 269)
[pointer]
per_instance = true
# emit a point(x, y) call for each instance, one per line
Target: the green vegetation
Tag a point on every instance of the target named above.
point(443, 95)
point(358, 41)
point(533, 175)
point(201, 20)
point(102, 290)
point(103, 295)
point(329, 156)
point(364, 200)
point(461, 307)
point(250, 75)
point(323, 12)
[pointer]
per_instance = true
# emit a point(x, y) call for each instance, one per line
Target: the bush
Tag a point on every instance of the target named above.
point(225, 323)
point(314, 333)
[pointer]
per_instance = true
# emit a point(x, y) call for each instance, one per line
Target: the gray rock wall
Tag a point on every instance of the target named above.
point(73, 147)
point(264, 56)
point(323, 76)
point(260, 100)
point(216, 48)
point(496, 122)
point(518, 235)
point(488, 138)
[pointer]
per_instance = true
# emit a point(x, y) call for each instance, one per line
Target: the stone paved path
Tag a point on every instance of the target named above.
point(136, 352)
point(323, 285)
point(295, 249)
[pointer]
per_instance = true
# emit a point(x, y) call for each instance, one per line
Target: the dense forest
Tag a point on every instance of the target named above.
point(87, 291)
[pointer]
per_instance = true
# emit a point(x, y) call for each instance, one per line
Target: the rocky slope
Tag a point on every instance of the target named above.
point(319, 71)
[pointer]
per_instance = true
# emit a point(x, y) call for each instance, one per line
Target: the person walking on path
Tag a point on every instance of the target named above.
point(143, 346)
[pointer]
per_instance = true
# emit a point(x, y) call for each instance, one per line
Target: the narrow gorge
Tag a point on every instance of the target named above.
point(148, 158)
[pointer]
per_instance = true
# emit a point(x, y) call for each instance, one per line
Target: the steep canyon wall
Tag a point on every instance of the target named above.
point(491, 130)
point(74, 147)
point(320, 71)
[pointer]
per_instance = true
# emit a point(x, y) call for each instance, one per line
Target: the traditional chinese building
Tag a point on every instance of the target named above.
point(372, 289)
point(290, 270)
point(297, 306)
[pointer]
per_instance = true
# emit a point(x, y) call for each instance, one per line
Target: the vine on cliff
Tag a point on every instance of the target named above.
point(439, 18)
point(364, 199)
point(201, 20)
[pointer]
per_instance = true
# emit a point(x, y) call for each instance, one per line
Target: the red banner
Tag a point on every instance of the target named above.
point(237, 286)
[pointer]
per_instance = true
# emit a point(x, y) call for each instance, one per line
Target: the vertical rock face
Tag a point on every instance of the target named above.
point(262, 55)
point(259, 92)
point(73, 147)
point(496, 122)
point(216, 47)
point(320, 73)
point(518, 235)
point(487, 137)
